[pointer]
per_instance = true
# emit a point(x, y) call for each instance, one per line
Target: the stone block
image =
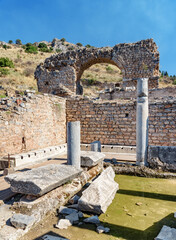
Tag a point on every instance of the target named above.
point(90, 158)
point(21, 221)
point(166, 233)
point(94, 220)
point(63, 224)
point(51, 237)
point(99, 195)
point(39, 181)
point(67, 211)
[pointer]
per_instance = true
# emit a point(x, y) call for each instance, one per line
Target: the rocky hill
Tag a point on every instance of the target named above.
point(19, 76)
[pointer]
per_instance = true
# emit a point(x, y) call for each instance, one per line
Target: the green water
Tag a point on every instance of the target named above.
point(157, 203)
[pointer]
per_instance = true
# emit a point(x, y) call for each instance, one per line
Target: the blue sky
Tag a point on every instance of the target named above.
point(95, 22)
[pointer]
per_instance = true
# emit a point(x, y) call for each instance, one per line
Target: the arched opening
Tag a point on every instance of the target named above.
point(97, 78)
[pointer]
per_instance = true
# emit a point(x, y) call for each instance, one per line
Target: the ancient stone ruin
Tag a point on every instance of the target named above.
point(38, 126)
point(60, 74)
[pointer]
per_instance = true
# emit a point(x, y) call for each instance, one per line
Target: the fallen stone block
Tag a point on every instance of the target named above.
point(101, 229)
point(50, 237)
point(63, 224)
point(21, 221)
point(94, 219)
point(39, 181)
point(80, 214)
point(74, 199)
point(75, 206)
point(73, 218)
point(67, 211)
point(99, 195)
point(166, 233)
point(90, 158)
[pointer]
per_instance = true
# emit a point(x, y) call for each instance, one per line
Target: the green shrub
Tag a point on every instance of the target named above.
point(6, 62)
point(3, 96)
point(63, 39)
point(10, 41)
point(42, 45)
point(58, 50)
point(70, 48)
point(174, 82)
point(31, 49)
point(18, 41)
point(4, 71)
point(79, 44)
point(91, 81)
point(4, 46)
point(88, 46)
point(109, 69)
point(45, 50)
point(28, 44)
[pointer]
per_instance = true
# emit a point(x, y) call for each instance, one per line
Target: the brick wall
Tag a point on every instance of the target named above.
point(29, 123)
point(115, 123)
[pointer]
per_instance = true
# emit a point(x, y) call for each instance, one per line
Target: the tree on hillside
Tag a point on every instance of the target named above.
point(18, 41)
point(10, 41)
point(79, 44)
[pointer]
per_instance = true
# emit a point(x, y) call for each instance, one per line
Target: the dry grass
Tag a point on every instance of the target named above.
point(22, 76)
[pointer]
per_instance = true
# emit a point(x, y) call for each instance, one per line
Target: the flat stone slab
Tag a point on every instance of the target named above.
point(90, 158)
point(99, 195)
point(39, 181)
point(166, 233)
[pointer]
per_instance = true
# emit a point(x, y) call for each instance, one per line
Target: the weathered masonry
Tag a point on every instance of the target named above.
point(60, 74)
point(115, 122)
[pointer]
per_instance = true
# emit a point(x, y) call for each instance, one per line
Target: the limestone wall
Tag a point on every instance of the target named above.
point(31, 122)
point(115, 122)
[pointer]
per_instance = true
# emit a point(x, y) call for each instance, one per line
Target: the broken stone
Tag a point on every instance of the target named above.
point(89, 158)
point(50, 237)
point(138, 203)
point(39, 181)
point(99, 195)
point(101, 229)
point(93, 219)
point(75, 206)
point(21, 221)
point(73, 218)
point(80, 214)
point(74, 199)
point(67, 211)
point(63, 224)
point(166, 233)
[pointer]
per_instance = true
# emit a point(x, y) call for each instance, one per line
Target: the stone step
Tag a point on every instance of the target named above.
point(41, 180)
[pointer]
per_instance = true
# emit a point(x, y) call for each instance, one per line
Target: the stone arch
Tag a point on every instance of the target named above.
point(88, 64)
point(60, 73)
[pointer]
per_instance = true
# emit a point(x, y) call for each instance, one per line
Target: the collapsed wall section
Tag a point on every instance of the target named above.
point(30, 123)
point(115, 122)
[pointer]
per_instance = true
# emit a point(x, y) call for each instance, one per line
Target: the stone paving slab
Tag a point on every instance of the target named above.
point(41, 180)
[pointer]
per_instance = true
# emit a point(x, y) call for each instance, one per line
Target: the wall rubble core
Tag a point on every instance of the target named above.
point(60, 74)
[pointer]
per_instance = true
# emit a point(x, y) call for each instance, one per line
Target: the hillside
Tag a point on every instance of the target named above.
point(21, 76)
